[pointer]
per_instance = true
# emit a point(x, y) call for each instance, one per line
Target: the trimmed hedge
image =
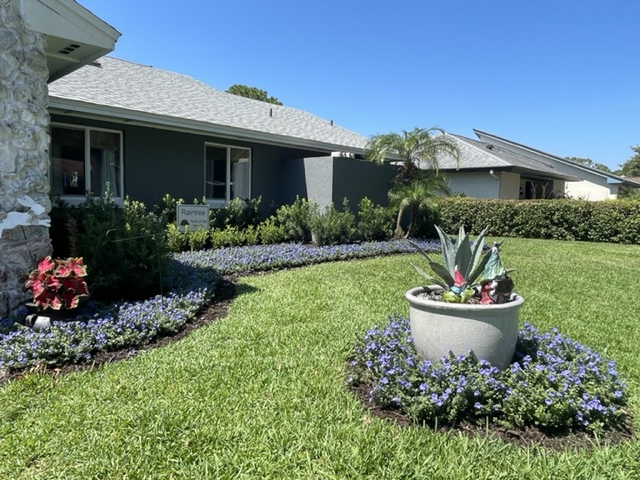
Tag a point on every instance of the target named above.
point(613, 221)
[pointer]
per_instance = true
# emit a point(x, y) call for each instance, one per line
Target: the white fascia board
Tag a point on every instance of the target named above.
point(144, 119)
point(68, 19)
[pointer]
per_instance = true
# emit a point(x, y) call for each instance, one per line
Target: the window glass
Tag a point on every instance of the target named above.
point(67, 161)
point(105, 162)
point(216, 172)
point(76, 170)
point(240, 167)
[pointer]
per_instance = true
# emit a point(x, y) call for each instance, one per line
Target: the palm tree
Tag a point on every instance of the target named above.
point(417, 149)
point(422, 191)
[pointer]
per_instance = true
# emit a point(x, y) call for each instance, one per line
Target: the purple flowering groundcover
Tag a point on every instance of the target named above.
point(554, 383)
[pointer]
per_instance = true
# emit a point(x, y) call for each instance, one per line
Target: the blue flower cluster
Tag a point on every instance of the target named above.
point(553, 382)
point(124, 325)
point(192, 280)
point(267, 257)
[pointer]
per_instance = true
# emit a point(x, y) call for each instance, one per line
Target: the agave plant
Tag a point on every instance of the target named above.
point(465, 261)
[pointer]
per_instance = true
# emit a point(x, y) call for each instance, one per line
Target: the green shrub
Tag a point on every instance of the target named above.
point(331, 226)
point(227, 237)
point(124, 248)
point(165, 211)
point(176, 240)
point(197, 239)
point(295, 220)
point(237, 213)
point(615, 221)
point(374, 222)
point(251, 235)
point(269, 232)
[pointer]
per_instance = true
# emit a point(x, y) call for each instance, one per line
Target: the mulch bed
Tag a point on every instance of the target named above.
point(530, 436)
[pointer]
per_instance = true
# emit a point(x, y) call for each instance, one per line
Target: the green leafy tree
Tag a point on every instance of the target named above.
point(252, 92)
point(589, 163)
point(631, 168)
point(422, 191)
point(417, 148)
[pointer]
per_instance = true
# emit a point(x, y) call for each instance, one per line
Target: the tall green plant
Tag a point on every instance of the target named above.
point(417, 149)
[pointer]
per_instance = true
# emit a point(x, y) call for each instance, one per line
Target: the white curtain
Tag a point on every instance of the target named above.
point(240, 179)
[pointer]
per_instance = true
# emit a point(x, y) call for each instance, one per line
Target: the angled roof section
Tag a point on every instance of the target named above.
point(476, 155)
point(140, 94)
point(495, 139)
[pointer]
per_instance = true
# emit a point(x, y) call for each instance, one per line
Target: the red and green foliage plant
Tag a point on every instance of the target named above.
point(58, 284)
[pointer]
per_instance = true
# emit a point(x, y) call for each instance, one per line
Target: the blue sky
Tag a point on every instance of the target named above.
point(562, 76)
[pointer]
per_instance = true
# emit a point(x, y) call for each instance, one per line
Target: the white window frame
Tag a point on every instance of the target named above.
point(215, 202)
point(78, 199)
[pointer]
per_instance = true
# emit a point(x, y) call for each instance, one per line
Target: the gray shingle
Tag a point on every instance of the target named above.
point(122, 84)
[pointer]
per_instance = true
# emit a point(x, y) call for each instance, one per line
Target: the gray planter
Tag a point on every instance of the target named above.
point(437, 328)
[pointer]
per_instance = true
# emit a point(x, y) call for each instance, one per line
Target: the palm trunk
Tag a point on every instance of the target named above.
point(399, 233)
point(414, 212)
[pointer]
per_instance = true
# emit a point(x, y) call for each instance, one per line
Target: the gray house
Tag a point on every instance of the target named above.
point(147, 132)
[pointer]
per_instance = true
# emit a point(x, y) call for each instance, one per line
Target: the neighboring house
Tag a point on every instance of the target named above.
point(590, 183)
point(148, 132)
point(487, 170)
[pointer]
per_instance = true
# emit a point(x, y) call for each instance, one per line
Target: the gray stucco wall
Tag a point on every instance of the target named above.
point(158, 161)
point(24, 144)
point(356, 179)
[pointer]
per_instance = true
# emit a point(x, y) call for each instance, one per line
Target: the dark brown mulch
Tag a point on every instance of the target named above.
point(526, 437)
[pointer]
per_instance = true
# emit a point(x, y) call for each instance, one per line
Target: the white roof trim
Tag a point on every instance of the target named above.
point(68, 19)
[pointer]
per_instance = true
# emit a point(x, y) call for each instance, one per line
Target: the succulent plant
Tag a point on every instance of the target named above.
point(466, 261)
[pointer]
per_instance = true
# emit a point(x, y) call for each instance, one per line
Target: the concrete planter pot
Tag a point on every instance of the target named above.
point(437, 328)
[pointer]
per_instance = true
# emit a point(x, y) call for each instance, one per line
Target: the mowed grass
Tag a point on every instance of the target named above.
point(261, 393)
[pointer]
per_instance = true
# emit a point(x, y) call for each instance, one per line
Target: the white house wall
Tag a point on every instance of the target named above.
point(509, 185)
point(585, 190)
point(477, 185)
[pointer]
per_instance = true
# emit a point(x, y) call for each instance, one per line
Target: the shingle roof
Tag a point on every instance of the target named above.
point(119, 84)
point(475, 154)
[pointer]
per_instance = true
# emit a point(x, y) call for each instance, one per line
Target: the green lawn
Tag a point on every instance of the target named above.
point(261, 393)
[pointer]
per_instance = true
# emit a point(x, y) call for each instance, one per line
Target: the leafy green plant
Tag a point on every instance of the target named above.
point(464, 263)
point(295, 220)
point(269, 232)
point(332, 226)
point(197, 239)
point(375, 222)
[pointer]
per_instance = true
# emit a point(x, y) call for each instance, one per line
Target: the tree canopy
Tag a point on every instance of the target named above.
point(252, 92)
point(589, 163)
point(631, 168)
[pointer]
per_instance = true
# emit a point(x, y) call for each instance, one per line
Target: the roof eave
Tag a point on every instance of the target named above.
point(131, 117)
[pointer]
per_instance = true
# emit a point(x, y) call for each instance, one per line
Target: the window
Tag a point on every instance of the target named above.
point(85, 160)
point(227, 173)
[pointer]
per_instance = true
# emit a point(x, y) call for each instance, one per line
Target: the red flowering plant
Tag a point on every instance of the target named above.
point(58, 284)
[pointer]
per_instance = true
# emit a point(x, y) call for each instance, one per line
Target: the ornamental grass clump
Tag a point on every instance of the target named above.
point(465, 261)
point(553, 383)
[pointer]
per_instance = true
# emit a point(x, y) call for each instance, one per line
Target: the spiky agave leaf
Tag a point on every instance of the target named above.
point(429, 278)
point(448, 251)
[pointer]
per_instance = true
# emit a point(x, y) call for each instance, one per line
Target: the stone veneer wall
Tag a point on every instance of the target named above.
point(24, 144)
